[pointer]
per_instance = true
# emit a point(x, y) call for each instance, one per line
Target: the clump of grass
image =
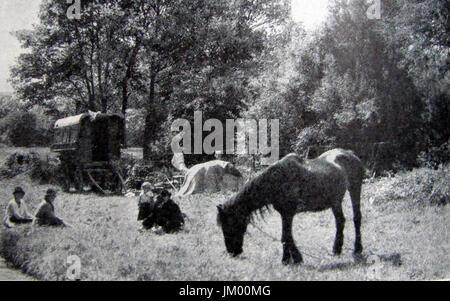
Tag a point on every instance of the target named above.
point(41, 170)
point(422, 186)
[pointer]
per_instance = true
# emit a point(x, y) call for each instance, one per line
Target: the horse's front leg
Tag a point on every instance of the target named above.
point(289, 248)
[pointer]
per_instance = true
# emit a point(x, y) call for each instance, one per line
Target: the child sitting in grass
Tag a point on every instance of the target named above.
point(166, 213)
point(16, 210)
point(146, 201)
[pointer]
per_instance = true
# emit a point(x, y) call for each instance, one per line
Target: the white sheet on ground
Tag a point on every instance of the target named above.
point(210, 176)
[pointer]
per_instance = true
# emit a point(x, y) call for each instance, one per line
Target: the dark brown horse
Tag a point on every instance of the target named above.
point(294, 185)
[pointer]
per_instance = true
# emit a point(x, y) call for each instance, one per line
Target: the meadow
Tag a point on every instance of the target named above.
point(405, 236)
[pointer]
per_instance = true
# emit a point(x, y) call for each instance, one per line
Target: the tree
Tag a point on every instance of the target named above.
point(197, 43)
point(418, 30)
point(88, 61)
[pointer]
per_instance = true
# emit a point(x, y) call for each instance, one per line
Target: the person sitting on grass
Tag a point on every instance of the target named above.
point(45, 214)
point(16, 210)
point(166, 213)
point(146, 201)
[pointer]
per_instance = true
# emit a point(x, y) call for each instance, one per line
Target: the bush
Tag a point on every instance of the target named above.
point(435, 156)
point(40, 170)
point(47, 172)
point(421, 186)
point(20, 129)
point(18, 163)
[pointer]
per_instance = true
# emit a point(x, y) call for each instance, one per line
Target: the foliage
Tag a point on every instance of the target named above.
point(435, 156)
point(20, 128)
point(151, 51)
point(353, 83)
point(356, 86)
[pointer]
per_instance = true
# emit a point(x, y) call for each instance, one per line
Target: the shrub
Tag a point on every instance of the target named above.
point(42, 171)
point(435, 156)
point(47, 172)
point(20, 129)
point(17, 163)
point(422, 186)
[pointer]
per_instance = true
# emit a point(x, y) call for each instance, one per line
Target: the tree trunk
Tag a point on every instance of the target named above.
point(128, 74)
point(150, 119)
point(104, 104)
point(124, 111)
point(92, 103)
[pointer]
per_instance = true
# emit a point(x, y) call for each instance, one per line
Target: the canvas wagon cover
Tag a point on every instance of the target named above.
point(210, 176)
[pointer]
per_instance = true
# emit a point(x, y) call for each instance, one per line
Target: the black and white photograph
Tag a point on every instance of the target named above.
point(224, 146)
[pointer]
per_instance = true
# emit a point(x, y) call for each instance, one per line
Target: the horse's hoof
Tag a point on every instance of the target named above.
point(359, 258)
point(358, 250)
point(298, 260)
point(285, 261)
point(337, 252)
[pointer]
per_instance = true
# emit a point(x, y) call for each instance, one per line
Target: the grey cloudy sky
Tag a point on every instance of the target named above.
point(14, 15)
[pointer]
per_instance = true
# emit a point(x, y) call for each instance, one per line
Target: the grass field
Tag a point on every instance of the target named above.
point(399, 225)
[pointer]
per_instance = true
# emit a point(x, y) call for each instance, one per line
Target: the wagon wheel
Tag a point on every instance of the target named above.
point(79, 184)
point(118, 181)
point(108, 181)
point(94, 182)
point(161, 180)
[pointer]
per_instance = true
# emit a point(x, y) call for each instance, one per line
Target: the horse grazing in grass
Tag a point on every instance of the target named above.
point(294, 185)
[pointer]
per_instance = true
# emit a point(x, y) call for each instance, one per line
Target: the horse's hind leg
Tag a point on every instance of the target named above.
point(355, 195)
point(340, 223)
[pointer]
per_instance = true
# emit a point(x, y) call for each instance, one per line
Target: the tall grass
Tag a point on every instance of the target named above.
point(396, 222)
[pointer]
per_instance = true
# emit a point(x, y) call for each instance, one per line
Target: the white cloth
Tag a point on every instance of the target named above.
point(14, 210)
point(210, 176)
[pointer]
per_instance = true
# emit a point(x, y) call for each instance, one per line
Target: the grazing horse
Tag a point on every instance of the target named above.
point(294, 185)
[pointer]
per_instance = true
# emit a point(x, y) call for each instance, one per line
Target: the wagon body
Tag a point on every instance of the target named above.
point(88, 144)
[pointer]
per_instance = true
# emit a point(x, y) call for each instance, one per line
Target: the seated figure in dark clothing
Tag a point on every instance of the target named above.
point(45, 214)
point(166, 213)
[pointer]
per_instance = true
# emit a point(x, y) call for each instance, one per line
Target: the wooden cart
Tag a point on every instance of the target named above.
point(89, 148)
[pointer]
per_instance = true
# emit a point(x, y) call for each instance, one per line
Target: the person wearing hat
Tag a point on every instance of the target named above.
point(166, 213)
point(146, 201)
point(16, 210)
point(45, 214)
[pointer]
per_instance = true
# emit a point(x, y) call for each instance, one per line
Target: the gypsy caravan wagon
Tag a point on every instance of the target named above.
point(88, 146)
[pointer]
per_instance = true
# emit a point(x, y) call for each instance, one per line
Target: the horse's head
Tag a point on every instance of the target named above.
point(233, 227)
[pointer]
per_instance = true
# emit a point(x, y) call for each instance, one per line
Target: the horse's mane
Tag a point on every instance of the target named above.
point(254, 199)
